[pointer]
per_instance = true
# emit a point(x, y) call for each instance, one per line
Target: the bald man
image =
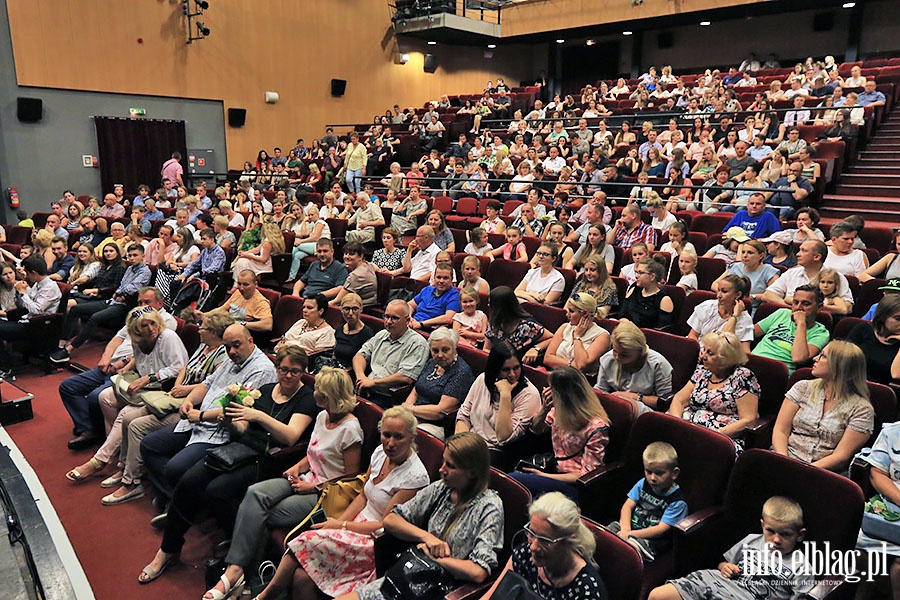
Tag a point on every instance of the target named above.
point(395, 356)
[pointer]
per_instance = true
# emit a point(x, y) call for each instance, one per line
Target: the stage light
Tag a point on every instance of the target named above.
point(492, 46)
point(203, 29)
point(202, 4)
point(627, 32)
point(705, 23)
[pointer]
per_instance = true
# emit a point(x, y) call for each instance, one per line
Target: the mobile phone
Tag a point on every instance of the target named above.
point(318, 517)
point(522, 464)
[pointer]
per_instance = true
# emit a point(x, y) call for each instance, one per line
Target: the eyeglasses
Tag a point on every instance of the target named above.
point(289, 371)
point(542, 254)
point(140, 311)
point(641, 272)
point(392, 318)
point(544, 541)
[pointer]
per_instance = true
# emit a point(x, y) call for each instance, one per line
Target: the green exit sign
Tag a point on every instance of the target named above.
point(137, 112)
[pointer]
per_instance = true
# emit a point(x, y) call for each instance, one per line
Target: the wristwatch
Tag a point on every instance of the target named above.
point(153, 378)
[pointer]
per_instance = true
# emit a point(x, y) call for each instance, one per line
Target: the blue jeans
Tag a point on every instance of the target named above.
point(298, 254)
point(354, 184)
point(167, 457)
point(538, 484)
point(79, 392)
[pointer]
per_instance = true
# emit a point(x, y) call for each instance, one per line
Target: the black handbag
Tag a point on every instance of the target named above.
point(514, 587)
point(415, 576)
point(230, 457)
point(548, 462)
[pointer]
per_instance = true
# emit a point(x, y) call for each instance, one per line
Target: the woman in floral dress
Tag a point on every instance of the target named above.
point(722, 394)
point(338, 555)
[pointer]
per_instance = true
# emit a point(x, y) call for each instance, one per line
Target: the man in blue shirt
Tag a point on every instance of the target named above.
point(63, 263)
point(107, 313)
point(792, 190)
point(871, 96)
point(151, 213)
point(754, 219)
point(210, 261)
point(436, 304)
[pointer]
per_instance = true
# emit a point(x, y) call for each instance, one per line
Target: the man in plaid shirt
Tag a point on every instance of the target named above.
point(629, 230)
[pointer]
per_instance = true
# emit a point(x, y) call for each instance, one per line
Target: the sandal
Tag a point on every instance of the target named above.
point(112, 481)
point(232, 590)
point(147, 574)
point(76, 475)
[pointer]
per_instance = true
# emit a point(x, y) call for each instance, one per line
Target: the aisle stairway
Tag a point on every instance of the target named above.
point(871, 187)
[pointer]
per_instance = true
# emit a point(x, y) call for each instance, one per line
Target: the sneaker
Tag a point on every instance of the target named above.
point(60, 356)
point(643, 546)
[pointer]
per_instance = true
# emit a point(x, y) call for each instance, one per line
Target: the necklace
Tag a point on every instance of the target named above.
point(435, 375)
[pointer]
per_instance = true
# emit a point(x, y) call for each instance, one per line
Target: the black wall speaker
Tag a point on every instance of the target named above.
point(30, 110)
point(237, 117)
point(665, 40)
point(338, 87)
point(430, 63)
point(823, 21)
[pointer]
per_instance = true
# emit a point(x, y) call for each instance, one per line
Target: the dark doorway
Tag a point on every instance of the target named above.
point(587, 64)
point(132, 151)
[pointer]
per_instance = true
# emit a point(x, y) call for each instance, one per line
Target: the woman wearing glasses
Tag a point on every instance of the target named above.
point(458, 521)
point(543, 284)
point(722, 394)
point(645, 303)
point(556, 556)
point(278, 418)
point(443, 384)
point(350, 336)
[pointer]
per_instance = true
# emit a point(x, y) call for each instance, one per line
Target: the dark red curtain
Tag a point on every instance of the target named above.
point(132, 151)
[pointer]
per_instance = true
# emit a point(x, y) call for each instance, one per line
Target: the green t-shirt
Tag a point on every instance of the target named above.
point(779, 329)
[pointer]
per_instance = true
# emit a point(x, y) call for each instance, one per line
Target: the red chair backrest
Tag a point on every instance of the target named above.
point(618, 562)
point(682, 353)
point(288, 311)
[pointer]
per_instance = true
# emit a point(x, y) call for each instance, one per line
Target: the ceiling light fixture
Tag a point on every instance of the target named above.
point(492, 46)
point(627, 32)
point(705, 23)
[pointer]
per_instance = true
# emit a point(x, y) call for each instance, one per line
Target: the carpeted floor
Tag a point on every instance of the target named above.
point(113, 543)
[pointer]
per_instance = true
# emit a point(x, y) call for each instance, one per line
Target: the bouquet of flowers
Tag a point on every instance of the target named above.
point(243, 395)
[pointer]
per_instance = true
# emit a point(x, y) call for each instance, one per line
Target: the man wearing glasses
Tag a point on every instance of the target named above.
point(793, 189)
point(419, 260)
point(395, 356)
point(79, 392)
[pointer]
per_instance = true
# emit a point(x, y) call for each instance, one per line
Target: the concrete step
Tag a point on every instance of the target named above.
point(868, 190)
point(872, 203)
point(883, 146)
point(868, 179)
point(867, 169)
point(890, 159)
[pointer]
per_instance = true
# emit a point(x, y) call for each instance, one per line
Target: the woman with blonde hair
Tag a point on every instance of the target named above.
point(396, 180)
point(595, 281)
point(86, 266)
point(42, 240)
point(307, 233)
point(335, 450)
point(259, 259)
point(393, 477)
point(722, 394)
point(159, 355)
point(224, 237)
point(825, 421)
point(579, 428)
point(557, 552)
point(458, 520)
point(579, 342)
point(634, 372)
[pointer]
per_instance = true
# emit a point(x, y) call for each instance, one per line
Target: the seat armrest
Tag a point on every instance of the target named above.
point(757, 425)
point(600, 473)
point(468, 591)
point(695, 521)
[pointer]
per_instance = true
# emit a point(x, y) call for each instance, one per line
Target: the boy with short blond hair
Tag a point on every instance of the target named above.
point(749, 571)
point(654, 505)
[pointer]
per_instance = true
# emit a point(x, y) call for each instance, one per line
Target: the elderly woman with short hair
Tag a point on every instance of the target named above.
point(443, 384)
point(722, 394)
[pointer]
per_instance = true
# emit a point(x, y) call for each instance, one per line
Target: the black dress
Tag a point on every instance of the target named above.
point(644, 311)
